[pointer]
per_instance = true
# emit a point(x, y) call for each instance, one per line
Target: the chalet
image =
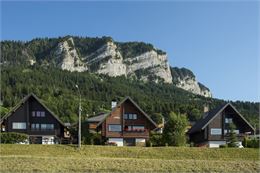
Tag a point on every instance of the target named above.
point(214, 128)
point(126, 125)
point(33, 118)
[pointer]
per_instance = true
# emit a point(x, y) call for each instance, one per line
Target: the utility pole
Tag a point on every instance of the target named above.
point(79, 130)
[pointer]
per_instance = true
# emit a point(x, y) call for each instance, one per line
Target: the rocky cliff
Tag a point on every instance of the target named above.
point(108, 60)
point(134, 60)
point(185, 79)
point(68, 57)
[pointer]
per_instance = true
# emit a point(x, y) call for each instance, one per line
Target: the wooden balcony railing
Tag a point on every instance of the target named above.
point(44, 131)
point(136, 130)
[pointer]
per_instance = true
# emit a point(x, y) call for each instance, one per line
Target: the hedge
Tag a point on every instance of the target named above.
point(251, 143)
point(12, 137)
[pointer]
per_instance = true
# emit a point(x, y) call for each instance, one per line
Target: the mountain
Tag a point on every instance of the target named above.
point(104, 70)
point(134, 60)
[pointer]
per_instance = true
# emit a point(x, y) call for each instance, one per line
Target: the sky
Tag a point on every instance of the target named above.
point(218, 40)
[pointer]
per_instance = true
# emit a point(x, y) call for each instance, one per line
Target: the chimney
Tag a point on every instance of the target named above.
point(113, 104)
point(206, 108)
point(163, 121)
point(162, 127)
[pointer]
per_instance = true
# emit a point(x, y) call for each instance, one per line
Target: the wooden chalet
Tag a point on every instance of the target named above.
point(126, 125)
point(33, 118)
point(214, 128)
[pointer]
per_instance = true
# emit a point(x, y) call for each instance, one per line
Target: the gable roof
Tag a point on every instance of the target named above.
point(97, 118)
point(26, 98)
point(103, 117)
point(209, 116)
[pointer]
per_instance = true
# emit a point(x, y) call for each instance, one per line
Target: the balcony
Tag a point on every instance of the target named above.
point(43, 132)
point(136, 133)
point(136, 130)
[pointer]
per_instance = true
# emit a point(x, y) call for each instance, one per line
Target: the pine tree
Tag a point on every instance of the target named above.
point(233, 137)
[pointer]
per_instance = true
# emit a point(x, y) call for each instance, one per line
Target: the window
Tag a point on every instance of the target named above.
point(43, 126)
point(42, 114)
point(20, 125)
point(138, 127)
point(114, 128)
point(38, 114)
point(35, 126)
point(229, 131)
point(130, 116)
point(215, 131)
point(50, 126)
point(47, 126)
point(228, 120)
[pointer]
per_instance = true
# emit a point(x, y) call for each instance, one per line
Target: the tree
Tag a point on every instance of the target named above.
point(157, 117)
point(233, 136)
point(174, 130)
point(195, 114)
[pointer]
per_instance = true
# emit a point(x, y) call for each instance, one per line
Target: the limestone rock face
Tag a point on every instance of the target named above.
point(151, 65)
point(68, 57)
point(154, 64)
point(112, 64)
point(190, 84)
point(185, 79)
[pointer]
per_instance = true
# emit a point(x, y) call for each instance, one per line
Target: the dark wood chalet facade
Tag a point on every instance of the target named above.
point(126, 125)
point(214, 128)
point(33, 118)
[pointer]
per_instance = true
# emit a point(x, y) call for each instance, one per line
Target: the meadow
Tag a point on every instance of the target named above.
point(67, 158)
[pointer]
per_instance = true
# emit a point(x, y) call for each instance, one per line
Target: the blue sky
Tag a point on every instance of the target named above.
point(217, 40)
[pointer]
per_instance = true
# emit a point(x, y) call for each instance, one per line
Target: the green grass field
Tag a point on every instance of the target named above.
point(64, 158)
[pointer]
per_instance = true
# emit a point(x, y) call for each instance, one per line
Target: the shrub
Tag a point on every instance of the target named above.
point(13, 138)
point(223, 146)
point(148, 143)
point(174, 130)
point(156, 139)
point(253, 143)
point(245, 142)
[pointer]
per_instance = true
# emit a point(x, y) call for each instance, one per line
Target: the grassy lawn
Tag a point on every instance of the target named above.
point(64, 158)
